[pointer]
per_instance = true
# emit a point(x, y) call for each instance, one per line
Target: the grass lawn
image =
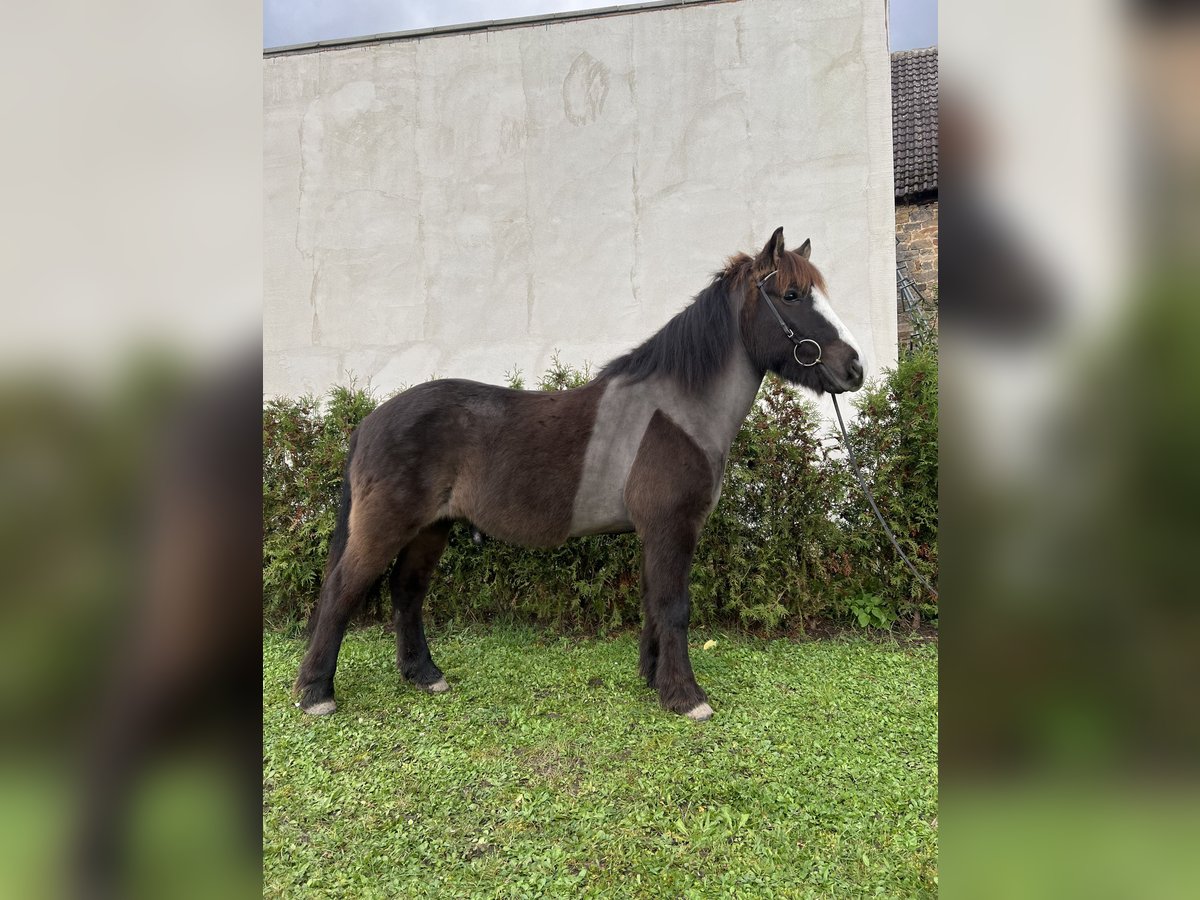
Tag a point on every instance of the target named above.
point(549, 770)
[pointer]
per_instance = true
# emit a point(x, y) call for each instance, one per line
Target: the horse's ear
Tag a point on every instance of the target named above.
point(804, 249)
point(768, 260)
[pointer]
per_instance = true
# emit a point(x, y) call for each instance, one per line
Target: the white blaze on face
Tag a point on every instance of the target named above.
point(825, 310)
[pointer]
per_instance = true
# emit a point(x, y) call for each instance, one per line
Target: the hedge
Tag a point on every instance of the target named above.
point(791, 540)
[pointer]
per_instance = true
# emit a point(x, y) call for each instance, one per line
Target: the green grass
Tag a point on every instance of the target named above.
point(549, 770)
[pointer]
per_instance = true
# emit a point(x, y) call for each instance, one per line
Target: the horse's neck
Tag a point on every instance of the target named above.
point(714, 414)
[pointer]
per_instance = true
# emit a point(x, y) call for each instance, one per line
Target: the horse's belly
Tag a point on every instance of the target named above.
point(599, 504)
point(612, 518)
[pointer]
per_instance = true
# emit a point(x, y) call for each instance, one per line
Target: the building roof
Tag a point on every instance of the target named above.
point(570, 15)
point(915, 121)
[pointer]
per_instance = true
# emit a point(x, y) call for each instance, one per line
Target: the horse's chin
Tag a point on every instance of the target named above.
point(834, 385)
point(819, 380)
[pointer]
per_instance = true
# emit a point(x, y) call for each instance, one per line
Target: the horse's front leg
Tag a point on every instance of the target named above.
point(668, 605)
point(648, 645)
point(669, 495)
point(648, 649)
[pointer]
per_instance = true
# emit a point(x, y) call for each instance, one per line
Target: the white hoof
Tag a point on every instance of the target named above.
point(324, 708)
point(438, 687)
point(701, 713)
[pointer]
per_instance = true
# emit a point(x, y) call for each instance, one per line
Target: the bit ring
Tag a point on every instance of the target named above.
point(796, 352)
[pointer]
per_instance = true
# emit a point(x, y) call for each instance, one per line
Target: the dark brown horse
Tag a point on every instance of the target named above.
point(640, 448)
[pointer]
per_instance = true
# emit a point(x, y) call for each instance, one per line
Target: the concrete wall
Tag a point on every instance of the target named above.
point(457, 205)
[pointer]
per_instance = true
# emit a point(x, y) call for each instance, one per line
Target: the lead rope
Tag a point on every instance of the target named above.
point(863, 484)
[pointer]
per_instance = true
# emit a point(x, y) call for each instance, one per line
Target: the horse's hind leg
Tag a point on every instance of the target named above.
point(366, 557)
point(409, 584)
point(341, 594)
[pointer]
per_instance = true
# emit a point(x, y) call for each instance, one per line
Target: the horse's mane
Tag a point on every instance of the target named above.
point(693, 347)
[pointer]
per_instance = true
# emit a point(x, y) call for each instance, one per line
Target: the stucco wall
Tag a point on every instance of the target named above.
point(458, 205)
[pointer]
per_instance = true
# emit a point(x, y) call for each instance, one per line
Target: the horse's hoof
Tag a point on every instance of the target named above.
point(438, 687)
point(323, 708)
point(701, 713)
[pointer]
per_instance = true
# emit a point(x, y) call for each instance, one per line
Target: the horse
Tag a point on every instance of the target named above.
point(642, 447)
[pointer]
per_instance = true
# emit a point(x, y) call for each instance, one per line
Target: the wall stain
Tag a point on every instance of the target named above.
point(512, 136)
point(585, 89)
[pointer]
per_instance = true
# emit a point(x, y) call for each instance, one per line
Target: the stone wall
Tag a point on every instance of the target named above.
point(917, 245)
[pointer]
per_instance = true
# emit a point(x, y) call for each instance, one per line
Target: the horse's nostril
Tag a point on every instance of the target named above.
point(856, 369)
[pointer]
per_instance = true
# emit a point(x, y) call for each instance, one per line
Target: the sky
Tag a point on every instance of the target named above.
point(913, 22)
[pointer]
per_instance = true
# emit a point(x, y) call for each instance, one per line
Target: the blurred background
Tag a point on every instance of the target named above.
point(130, 412)
point(1070, 149)
point(129, 449)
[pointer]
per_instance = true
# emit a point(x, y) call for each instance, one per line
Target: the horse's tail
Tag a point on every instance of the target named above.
point(341, 529)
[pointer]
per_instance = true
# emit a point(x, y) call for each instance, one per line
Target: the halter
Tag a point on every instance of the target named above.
point(791, 335)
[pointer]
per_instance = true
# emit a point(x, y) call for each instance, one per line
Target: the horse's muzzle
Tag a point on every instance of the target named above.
point(851, 381)
point(855, 371)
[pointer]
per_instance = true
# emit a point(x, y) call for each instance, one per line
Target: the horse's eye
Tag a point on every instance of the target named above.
point(791, 296)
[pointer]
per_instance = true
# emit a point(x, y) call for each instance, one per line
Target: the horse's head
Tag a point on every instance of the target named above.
point(789, 327)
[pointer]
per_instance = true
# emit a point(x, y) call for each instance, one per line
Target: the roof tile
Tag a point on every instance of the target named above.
point(915, 120)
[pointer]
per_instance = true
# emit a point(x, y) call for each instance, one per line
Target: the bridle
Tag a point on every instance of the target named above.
point(791, 335)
